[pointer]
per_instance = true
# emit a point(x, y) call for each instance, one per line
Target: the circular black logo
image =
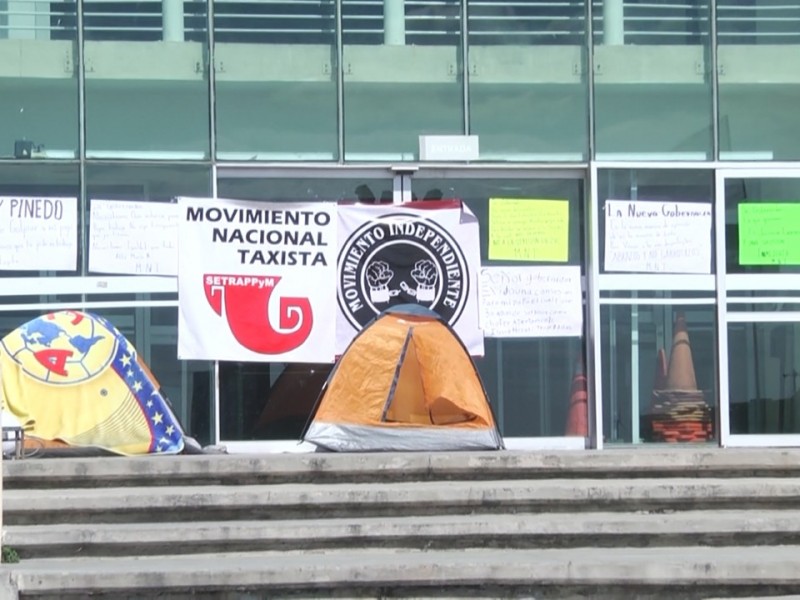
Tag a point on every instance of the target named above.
point(401, 259)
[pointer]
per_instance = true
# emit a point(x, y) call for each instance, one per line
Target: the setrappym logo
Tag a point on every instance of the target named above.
point(401, 259)
point(245, 300)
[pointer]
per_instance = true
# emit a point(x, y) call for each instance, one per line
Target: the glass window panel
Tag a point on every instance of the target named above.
point(157, 183)
point(657, 185)
point(531, 384)
point(146, 79)
point(527, 79)
point(38, 85)
point(272, 401)
point(643, 295)
point(529, 381)
point(659, 373)
point(42, 180)
point(785, 192)
point(277, 189)
point(268, 401)
point(276, 80)
point(477, 192)
point(652, 79)
point(147, 182)
point(41, 303)
point(402, 76)
point(764, 377)
point(758, 53)
point(784, 304)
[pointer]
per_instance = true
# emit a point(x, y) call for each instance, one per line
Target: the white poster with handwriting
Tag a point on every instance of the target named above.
point(658, 237)
point(133, 238)
point(531, 301)
point(38, 234)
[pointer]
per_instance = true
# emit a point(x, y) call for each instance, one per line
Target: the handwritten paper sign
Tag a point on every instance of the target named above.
point(528, 230)
point(769, 234)
point(133, 238)
point(658, 237)
point(531, 301)
point(38, 234)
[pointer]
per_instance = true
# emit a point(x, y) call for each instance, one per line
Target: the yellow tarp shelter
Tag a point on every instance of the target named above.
point(71, 379)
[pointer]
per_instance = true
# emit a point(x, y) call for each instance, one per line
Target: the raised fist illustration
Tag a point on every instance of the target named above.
point(424, 273)
point(378, 277)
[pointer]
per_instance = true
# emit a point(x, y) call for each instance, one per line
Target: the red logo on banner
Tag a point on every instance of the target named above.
point(245, 301)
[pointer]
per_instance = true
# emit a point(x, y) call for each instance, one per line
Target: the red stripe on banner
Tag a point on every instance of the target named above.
point(432, 204)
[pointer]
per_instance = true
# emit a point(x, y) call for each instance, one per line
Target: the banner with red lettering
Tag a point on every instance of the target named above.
point(256, 280)
point(424, 253)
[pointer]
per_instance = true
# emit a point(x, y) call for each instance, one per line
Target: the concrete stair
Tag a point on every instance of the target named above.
point(666, 523)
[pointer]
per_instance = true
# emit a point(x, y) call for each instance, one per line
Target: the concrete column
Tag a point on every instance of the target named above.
point(614, 22)
point(172, 20)
point(394, 22)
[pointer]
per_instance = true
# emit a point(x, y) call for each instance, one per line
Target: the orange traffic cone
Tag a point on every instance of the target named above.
point(578, 414)
point(680, 412)
point(680, 375)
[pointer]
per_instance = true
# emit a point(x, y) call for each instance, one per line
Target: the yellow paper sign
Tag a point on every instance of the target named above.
point(534, 230)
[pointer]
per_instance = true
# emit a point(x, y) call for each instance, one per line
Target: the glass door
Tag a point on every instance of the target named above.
point(758, 265)
point(264, 406)
point(536, 380)
point(657, 332)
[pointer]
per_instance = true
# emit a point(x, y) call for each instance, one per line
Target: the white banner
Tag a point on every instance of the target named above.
point(531, 302)
point(256, 280)
point(425, 253)
point(133, 238)
point(658, 237)
point(38, 234)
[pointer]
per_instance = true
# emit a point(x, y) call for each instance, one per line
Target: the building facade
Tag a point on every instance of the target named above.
point(685, 101)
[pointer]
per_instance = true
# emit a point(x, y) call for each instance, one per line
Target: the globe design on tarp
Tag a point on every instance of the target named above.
point(72, 377)
point(63, 348)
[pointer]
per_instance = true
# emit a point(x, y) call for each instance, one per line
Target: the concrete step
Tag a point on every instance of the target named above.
point(296, 501)
point(674, 461)
point(689, 528)
point(597, 573)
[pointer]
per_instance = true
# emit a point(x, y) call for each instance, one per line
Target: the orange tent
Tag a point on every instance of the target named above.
point(406, 382)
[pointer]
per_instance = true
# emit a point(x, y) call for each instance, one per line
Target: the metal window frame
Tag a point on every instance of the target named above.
point(741, 282)
point(704, 286)
point(85, 285)
point(574, 172)
point(402, 174)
